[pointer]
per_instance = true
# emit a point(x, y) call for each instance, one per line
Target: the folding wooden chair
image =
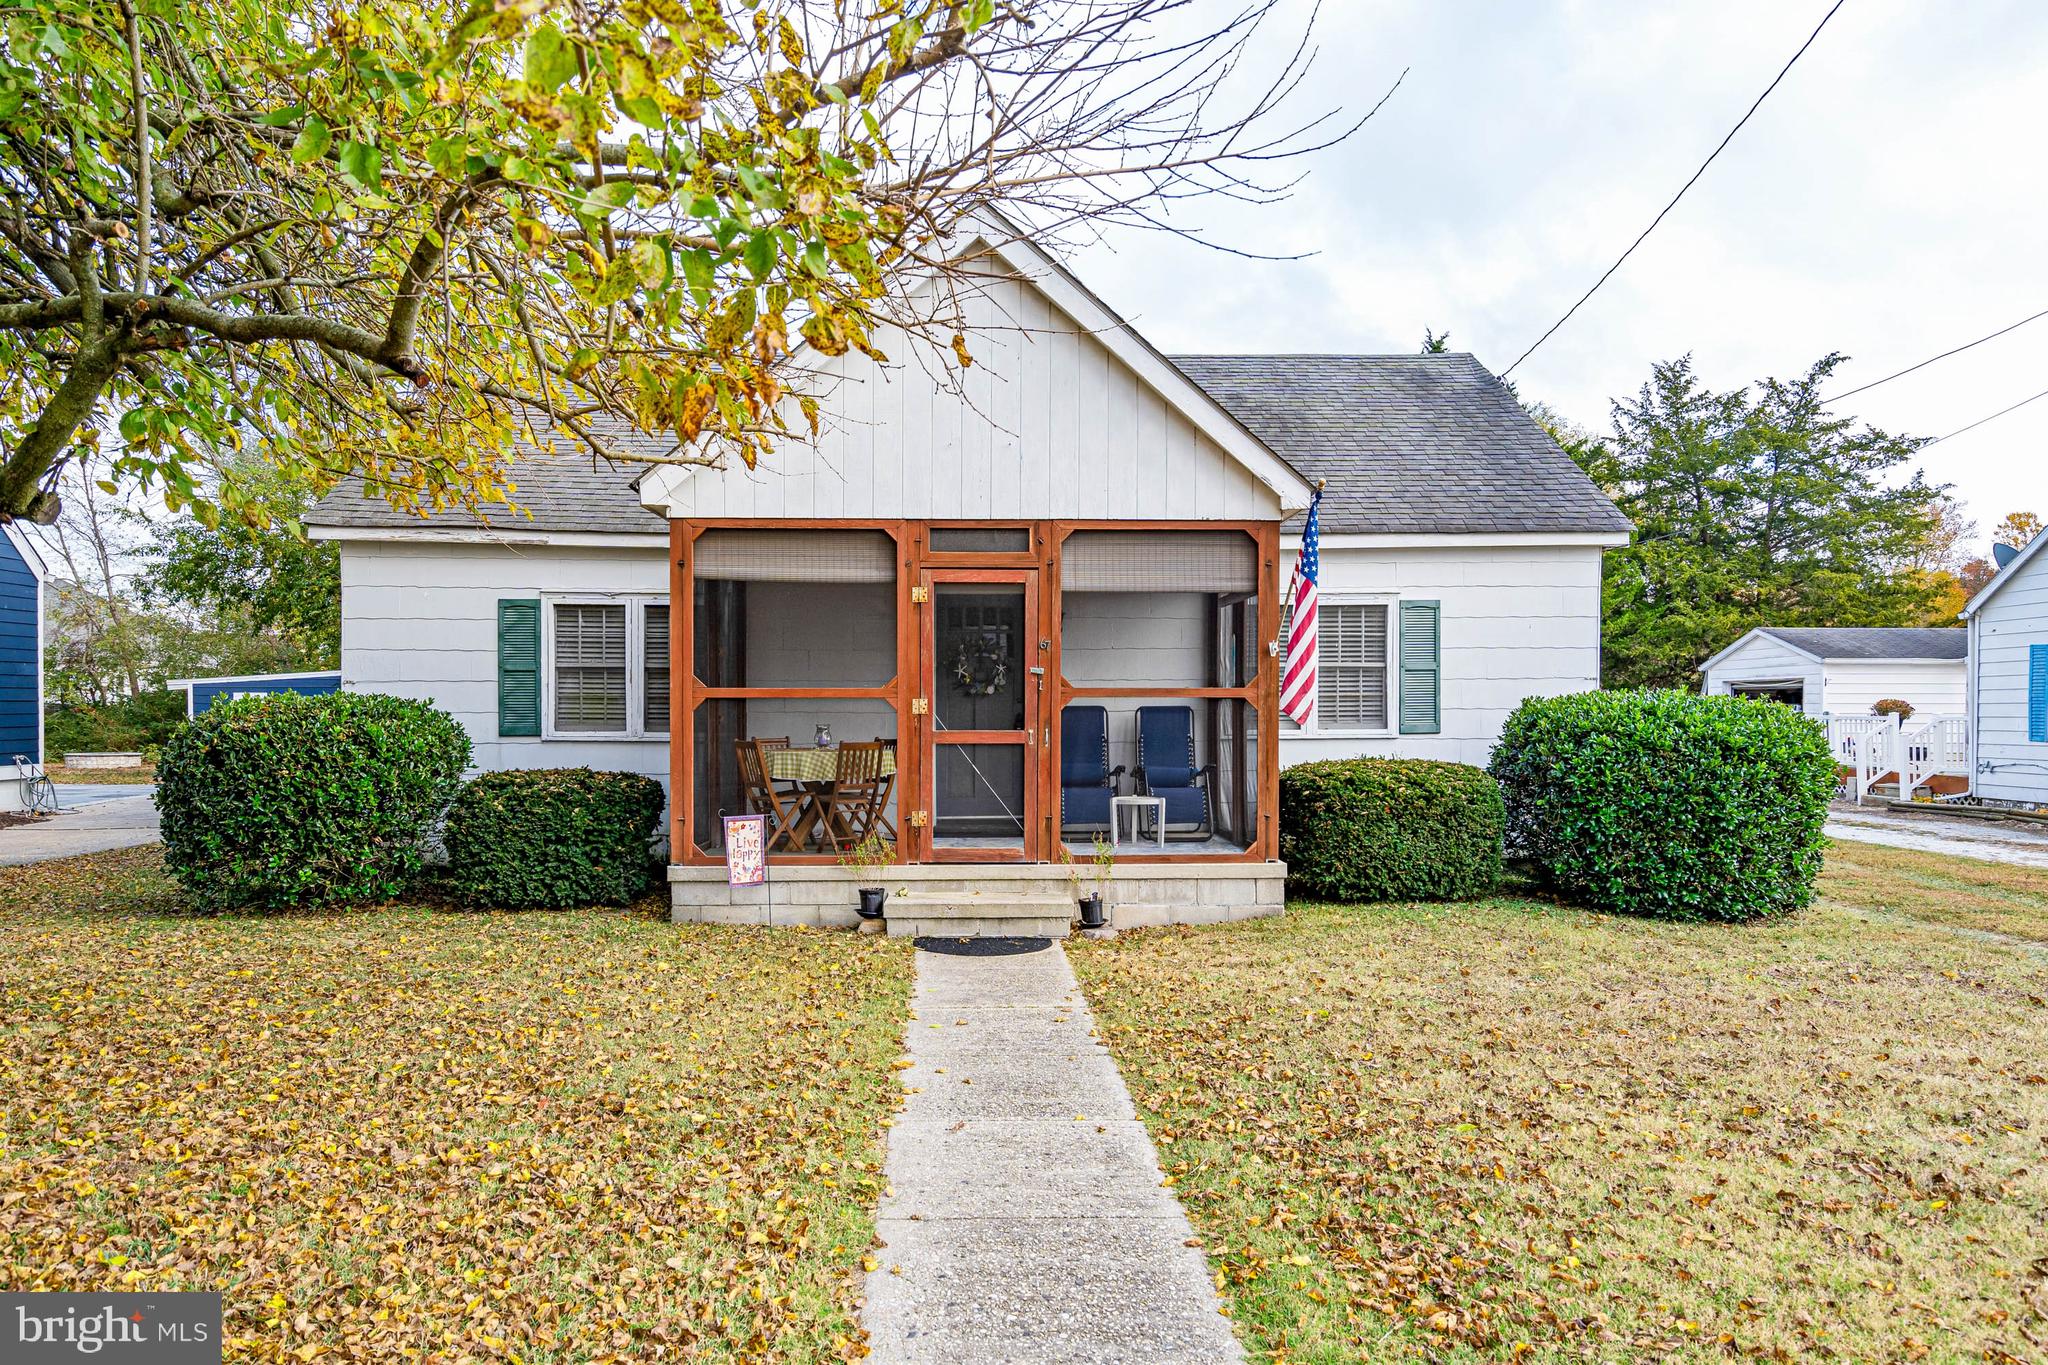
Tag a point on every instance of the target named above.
point(784, 809)
point(854, 800)
point(878, 808)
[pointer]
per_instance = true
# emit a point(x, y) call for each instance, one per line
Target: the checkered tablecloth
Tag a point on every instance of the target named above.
point(815, 765)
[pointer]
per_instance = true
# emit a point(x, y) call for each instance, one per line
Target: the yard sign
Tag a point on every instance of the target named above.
point(746, 850)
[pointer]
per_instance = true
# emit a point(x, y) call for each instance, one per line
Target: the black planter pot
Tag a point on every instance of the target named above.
point(1091, 912)
point(871, 901)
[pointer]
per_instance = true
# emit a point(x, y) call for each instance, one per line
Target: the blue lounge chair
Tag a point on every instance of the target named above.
point(1087, 782)
point(1167, 770)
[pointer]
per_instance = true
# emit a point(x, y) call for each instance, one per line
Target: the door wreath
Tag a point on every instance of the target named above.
point(981, 666)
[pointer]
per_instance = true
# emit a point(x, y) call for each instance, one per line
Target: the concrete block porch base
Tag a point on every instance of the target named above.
point(982, 899)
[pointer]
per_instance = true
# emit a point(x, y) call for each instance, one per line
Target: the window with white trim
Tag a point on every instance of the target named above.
point(608, 666)
point(1354, 666)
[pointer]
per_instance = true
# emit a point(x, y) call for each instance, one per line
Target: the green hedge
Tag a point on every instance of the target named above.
point(131, 723)
point(1389, 829)
point(552, 838)
point(1668, 804)
point(285, 801)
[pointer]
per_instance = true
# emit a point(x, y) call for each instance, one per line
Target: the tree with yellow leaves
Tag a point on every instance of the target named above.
point(388, 238)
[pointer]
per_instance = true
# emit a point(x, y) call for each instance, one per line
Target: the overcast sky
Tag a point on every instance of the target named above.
point(1890, 200)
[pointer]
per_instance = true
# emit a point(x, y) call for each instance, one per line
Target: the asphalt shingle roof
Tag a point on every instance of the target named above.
point(1877, 642)
point(566, 491)
point(1408, 443)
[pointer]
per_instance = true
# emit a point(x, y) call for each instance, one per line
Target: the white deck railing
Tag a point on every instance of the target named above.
point(1873, 746)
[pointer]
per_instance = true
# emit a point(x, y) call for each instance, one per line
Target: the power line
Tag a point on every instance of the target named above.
point(1681, 192)
point(1992, 418)
point(1826, 402)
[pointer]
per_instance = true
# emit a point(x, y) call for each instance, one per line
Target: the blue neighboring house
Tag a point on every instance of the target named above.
point(201, 693)
point(21, 656)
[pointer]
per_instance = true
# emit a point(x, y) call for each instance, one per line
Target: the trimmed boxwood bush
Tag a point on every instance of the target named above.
point(1668, 804)
point(284, 801)
point(1389, 829)
point(551, 838)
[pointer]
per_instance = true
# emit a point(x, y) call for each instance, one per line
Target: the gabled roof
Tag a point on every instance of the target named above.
point(1862, 644)
point(1409, 443)
point(26, 548)
point(2005, 575)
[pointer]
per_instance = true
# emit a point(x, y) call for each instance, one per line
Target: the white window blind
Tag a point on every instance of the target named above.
point(590, 667)
point(1351, 666)
point(654, 718)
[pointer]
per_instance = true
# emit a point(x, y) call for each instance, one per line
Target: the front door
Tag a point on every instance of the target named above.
point(983, 682)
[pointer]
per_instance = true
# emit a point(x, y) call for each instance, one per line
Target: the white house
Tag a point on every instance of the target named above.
point(1050, 584)
point(2007, 623)
point(1844, 671)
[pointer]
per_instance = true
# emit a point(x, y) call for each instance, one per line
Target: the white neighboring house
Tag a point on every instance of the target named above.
point(2007, 623)
point(1844, 671)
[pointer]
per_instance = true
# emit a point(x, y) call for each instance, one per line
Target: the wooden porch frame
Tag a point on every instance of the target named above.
point(913, 560)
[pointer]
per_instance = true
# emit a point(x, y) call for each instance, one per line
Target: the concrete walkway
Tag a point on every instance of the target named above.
point(1026, 1222)
point(73, 795)
point(82, 826)
point(1955, 835)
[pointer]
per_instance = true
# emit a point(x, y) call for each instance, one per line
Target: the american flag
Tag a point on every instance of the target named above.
point(1298, 674)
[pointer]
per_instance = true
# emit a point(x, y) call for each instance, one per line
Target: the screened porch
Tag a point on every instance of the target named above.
point(976, 692)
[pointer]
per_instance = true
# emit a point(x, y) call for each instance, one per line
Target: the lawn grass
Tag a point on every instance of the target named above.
point(1513, 1131)
point(64, 775)
point(420, 1134)
point(1995, 898)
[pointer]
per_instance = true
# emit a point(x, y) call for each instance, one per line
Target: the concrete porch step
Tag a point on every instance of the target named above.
point(978, 914)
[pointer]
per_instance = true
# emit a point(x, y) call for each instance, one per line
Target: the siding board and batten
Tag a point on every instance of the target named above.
point(1137, 457)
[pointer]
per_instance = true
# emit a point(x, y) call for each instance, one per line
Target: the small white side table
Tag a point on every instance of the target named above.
point(1137, 806)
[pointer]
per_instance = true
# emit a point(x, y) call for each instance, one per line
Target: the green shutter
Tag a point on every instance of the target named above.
point(1421, 677)
point(2037, 694)
point(518, 666)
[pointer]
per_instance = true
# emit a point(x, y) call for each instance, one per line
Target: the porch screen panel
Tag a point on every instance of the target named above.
point(590, 667)
point(797, 556)
point(789, 608)
point(1159, 561)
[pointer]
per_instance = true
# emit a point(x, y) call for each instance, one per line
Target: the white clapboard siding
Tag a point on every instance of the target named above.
point(1855, 685)
point(420, 620)
point(2012, 767)
point(1046, 423)
point(1515, 622)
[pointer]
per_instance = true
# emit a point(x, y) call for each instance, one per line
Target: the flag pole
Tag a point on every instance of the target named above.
point(1287, 598)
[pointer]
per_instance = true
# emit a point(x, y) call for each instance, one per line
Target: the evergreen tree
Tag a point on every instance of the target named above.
point(1754, 506)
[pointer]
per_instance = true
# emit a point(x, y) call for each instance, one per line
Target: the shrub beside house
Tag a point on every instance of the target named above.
point(286, 801)
point(1378, 829)
point(1667, 804)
